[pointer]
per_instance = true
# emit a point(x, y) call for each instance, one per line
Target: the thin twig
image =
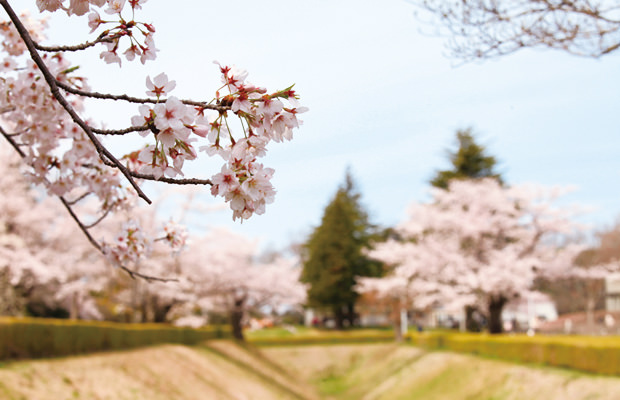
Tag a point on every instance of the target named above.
point(101, 218)
point(83, 228)
point(80, 198)
point(120, 131)
point(12, 142)
point(103, 38)
point(137, 100)
point(174, 181)
point(96, 244)
point(135, 274)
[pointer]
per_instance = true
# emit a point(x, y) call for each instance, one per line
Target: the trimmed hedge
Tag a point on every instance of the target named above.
point(599, 355)
point(36, 338)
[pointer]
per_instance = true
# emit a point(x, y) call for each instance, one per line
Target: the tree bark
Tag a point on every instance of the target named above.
point(236, 319)
point(496, 305)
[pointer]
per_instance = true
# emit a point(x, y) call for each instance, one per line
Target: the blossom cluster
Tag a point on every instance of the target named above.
point(130, 244)
point(242, 181)
point(175, 235)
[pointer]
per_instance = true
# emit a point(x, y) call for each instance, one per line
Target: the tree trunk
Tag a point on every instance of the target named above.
point(496, 305)
point(590, 303)
point(338, 317)
point(351, 314)
point(398, 333)
point(471, 324)
point(236, 319)
point(160, 311)
point(144, 310)
point(73, 309)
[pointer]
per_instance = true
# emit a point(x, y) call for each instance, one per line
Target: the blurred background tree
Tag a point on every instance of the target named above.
point(334, 255)
point(579, 294)
point(483, 29)
point(469, 161)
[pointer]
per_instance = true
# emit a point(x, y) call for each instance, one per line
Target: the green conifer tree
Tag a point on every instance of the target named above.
point(469, 161)
point(334, 256)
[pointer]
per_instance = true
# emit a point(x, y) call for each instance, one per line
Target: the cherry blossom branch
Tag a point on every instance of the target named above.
point(133, 274)
point(174, 181)
point(137, 100)
point(120, 131)
point(103, 38)
point(52, 83)
point(84, 228)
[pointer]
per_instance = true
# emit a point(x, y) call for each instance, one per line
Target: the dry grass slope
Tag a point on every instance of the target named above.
point(225, 370)
point(163, 372)
point(392, 372)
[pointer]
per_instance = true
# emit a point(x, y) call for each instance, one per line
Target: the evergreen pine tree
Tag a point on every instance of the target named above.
point(469, 161)
point(334, 255)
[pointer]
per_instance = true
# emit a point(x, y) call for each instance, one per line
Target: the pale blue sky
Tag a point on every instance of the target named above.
point(383, 100)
